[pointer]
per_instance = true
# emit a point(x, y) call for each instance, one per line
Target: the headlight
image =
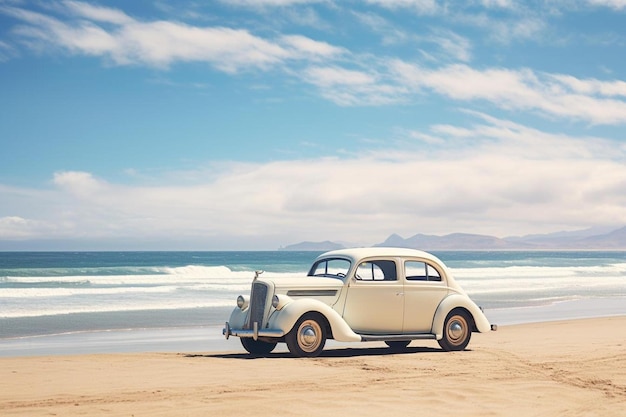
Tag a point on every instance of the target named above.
point(242, 302)
point(279, 301)
point(275, 301)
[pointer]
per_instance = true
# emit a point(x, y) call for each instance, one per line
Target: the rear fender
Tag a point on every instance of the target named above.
point(452, 302)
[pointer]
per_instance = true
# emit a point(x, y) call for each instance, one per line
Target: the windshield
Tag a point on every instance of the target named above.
point(332, 267)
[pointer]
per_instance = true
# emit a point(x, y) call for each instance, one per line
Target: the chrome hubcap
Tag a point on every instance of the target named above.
point(457, 330)
point(309, 335)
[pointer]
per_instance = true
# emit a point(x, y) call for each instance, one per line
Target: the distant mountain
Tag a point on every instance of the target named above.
point(614, 240)
point(591, 239)
point(313, 246)
point(454, 241)
point(575, 234)
point(583, 239)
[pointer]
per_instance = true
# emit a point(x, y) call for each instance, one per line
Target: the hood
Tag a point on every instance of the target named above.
point(326, 290)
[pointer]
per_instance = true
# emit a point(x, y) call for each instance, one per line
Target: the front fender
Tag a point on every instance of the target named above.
point(287, 317)
point(459, 301)
point(238, 318)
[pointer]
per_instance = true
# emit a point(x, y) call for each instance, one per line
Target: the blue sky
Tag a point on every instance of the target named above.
point(248, 124)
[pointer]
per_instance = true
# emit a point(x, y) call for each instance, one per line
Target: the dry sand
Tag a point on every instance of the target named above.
point(573, 368)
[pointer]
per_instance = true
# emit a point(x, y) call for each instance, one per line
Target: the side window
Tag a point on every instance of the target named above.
point(421, 271)
point(377, 271)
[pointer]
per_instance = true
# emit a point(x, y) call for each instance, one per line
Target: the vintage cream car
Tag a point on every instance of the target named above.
point(394, 295)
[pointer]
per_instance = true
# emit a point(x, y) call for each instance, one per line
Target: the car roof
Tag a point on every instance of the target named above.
point(360, 253)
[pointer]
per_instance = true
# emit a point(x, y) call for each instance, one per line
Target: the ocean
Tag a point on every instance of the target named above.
point(51, 293)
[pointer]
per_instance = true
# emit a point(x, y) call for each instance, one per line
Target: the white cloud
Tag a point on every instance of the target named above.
point(592, 86)
point(445, 44)
point(15, 227)
point(495, 177)
point(613, 4)
point(516, 25)
point(419, 6)
point(455, 46)
point(98, 13)
point(515, 20)
point(391, 33)
point(553, 94)
point(347, 87)
point(162, 43)
point(310, 48)
point(503, 4)
point(79, 183)
point(329, 76)
point(127, 41)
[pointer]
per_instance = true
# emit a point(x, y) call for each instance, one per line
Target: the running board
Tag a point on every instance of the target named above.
point(391, 337)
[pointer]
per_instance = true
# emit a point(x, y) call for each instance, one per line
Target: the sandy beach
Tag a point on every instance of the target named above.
point(567, 368)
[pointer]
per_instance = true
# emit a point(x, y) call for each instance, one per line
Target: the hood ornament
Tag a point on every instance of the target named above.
point(256, 275)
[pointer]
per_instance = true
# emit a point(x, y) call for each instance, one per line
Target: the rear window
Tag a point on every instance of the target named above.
point(421, 271)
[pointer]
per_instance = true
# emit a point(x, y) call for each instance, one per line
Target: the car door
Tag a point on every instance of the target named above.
point(424, 289)
point(375, 299)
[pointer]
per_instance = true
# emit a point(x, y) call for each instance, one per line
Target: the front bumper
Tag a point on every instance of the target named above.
point(254, 333)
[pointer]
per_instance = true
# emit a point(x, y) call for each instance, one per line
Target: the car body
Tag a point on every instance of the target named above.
point(394, 295)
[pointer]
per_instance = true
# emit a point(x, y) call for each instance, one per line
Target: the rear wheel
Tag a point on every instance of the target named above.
point(257, 347)
point(456, 331)
point(308, 336)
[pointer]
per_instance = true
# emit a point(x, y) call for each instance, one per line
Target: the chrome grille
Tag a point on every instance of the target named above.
point(257, 304)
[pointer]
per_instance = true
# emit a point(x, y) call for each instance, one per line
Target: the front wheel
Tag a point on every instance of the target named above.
point(257, 347)
point(308, 336)
point(456, 331)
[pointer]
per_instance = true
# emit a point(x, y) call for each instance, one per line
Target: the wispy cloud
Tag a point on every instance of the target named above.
point(499, 4)
point(516, 27)
point(418, 6)
point(391, 34)
point(307, 48)
point(112, 34)
point(557, 95)
point(613, 4)
point(347, 87)
point(452, 44)
point(6, 51)
point(342, 76)
point(98, 13)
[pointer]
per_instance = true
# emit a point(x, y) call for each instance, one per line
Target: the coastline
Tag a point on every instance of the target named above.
point(573, 367)
point(73, 303)
point(208, 338)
